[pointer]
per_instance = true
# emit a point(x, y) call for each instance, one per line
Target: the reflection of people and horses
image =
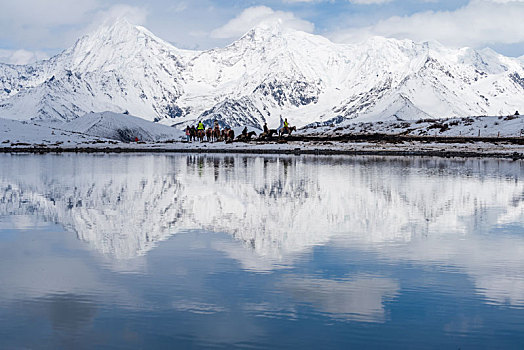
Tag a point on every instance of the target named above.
point(199, 132)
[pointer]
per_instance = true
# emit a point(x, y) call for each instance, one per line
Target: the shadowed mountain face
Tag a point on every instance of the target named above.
point(270, 71)
point(281, 207)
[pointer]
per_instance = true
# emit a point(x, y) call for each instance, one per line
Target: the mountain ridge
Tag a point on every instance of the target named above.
point(269, 72)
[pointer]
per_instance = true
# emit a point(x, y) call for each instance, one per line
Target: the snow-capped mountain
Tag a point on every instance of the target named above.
point(269, 72)
point(117, 68)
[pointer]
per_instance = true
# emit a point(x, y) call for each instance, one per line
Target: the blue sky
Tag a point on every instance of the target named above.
point(34, 29)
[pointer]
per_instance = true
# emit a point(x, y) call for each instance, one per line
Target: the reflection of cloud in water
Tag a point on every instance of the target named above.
point(360, 299)
point(252, 261)
point(502, 289)
point(55, 274)
point(269, 310)
point(280, 207)
point(36, 270)
point(198, 308)
point(494, 262)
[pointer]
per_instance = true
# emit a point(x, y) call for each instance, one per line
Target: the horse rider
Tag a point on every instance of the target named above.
point(201, 126)
point(286, 126)
point(188, 133)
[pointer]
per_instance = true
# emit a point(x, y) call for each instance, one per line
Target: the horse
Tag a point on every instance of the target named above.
point(201, 133)
point(267, 135)
point(216, 134)
point(209, 134)
point(288, 131)
point(229, 135)
point(192, 134)
point(246, 137)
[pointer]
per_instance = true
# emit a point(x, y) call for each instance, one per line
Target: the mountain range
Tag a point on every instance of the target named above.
point(269, 72)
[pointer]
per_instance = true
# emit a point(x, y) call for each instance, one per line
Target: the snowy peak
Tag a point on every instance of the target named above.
point(122, 32)
point(275, 31)
point(264, 32)
point(112, 47)
point(119, 32)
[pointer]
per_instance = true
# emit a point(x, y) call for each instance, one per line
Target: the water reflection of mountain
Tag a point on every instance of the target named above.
point(123, 205)
point(278, 206)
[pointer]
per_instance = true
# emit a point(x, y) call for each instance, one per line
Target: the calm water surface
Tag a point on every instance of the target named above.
point(196, 251)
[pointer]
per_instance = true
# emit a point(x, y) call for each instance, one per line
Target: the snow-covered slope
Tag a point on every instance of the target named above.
point(485, 126)
point(269, 72)
point(21, 133)
point(121, 127)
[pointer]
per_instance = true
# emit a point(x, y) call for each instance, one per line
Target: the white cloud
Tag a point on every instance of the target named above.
point(135, 15)
point(32, 23)
point(21, 56)
point(179, 7)
point(480, 23)
point(57, 23)
point(254, 16)
point(54, 25)
point(46, 13)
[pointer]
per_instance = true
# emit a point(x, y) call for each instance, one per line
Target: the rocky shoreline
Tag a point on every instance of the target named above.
point(372, 145)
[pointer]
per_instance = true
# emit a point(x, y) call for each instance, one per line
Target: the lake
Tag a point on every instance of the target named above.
point(264, 252)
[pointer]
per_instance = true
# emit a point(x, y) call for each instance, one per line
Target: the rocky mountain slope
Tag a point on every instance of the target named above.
point(268, 73)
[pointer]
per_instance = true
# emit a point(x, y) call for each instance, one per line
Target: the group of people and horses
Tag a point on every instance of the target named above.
point(215, 134)
point(201, 133)
point(284, 129)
